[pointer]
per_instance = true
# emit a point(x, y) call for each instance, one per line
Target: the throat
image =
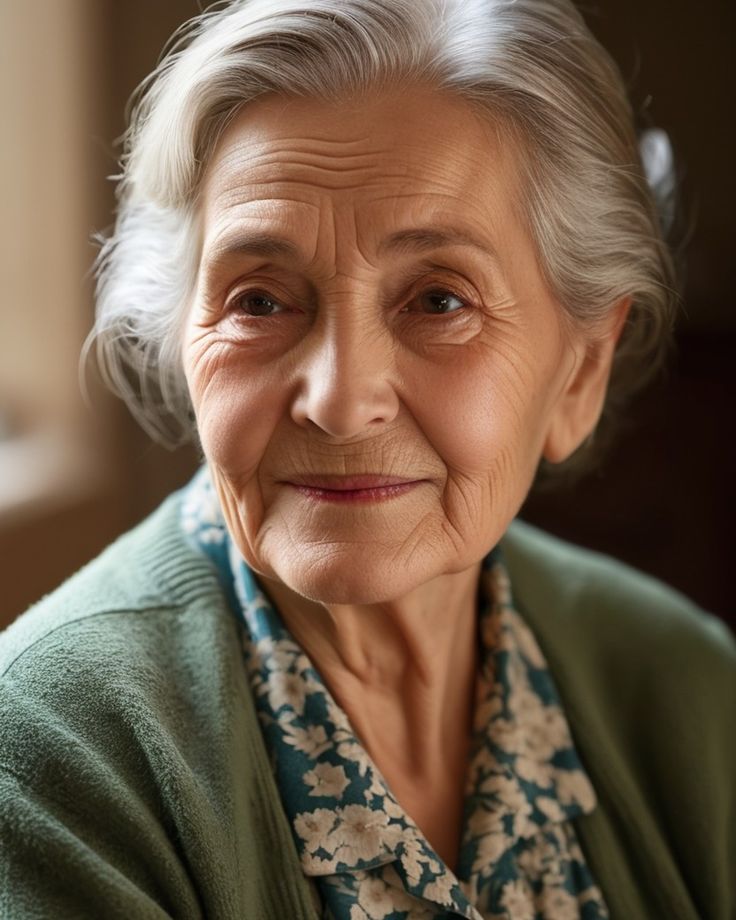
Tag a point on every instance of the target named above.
point(438, 814)
point(427, 780)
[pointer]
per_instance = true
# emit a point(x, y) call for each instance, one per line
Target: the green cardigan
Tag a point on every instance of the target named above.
point(134, 782)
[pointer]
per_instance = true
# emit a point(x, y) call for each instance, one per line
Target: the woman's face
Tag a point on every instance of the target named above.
point(369, 305)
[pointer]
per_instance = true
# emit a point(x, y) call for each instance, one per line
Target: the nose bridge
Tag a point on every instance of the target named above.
point(346, 376)
point(358, 345)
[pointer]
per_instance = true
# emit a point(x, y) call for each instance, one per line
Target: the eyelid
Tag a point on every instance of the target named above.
point(231, 302)
point(441, 285)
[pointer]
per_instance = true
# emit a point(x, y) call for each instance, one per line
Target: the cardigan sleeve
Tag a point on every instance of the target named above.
point(83, 832)
point(133, 778)
point(56, 865)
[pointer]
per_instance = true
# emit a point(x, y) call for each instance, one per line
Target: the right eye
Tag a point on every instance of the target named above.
point(255, 303)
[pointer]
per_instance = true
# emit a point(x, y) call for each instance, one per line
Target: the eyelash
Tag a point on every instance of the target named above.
point(445, 290)
point(234, 303)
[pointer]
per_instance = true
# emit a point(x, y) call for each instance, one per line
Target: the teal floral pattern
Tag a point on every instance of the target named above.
point(519, 857)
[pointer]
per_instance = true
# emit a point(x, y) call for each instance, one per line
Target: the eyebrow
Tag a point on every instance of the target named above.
point(416, 239)
point(421, 239)
point(258, 244)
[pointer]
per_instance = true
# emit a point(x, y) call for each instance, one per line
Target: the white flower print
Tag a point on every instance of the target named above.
point(489, 849)
point(540, 857)
point(316, 865)
point(570, 843)
point(362, 833)
point(314, 827)
point(377, 786)
point(545, 728)
point(557, 903)
point(392, 807)
point(482, 821)
point(351, 750)
point(327, 780)
point(525, 640)
point(376, 898)
point(471, 888)
point(311, 682)
point(483, 761)
point(524, 826)
point(282, 656)
point(590, 894)
point(413, 859)
point(201, 506)
point(516, 897)
point(507, 791)
point(508, 735)
point(517, 673)
point(534, 771)
point(285, 690)
point(574, 786)
point(414, 908)
point(267, 645)
point(440, 889)
point(338, 718)
point(489, 706)
point(550, 808)
point(311, 740)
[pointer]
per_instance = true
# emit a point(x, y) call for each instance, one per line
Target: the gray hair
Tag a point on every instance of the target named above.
point(588, 186)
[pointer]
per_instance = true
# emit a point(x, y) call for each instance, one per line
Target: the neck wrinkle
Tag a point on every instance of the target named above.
point(404, 672)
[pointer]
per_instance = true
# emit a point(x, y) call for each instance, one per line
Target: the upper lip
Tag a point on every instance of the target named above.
point(348, 483)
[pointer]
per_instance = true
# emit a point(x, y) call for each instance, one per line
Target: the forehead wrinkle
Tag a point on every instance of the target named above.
point(283, 164)
point(243, 162)
point(230, 234)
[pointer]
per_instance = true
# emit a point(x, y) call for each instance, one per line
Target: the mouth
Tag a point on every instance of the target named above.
point(364, 488)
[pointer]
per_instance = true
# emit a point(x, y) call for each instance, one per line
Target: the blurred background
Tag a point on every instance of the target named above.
point(74, 478)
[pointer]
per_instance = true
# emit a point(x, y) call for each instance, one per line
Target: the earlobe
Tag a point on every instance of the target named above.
point(580, 405)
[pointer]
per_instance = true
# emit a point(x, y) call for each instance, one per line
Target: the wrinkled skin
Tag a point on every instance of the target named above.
point(447, 364)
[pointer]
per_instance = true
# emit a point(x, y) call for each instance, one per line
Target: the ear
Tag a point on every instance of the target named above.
point(579, 406)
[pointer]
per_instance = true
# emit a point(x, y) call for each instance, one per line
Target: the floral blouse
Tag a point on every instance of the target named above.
point(519, 856)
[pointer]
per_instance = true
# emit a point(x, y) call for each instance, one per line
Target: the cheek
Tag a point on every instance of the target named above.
point(236, 408)
point(482, 409)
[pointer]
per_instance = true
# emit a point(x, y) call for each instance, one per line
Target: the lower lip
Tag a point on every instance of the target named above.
point(356, 496)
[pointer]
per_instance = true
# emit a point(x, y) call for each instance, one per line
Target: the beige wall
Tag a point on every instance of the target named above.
point(47, 101)
point(71, 477)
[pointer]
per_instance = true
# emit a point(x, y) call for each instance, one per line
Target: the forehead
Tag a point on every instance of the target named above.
point(412, 149)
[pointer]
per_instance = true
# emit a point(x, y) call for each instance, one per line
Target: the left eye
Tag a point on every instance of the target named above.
point(437, 302)
point(256, 303)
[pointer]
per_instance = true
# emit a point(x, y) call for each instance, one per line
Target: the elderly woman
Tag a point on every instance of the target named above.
point(380, 258)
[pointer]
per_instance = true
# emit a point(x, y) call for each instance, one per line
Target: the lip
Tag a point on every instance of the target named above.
point(361, 489)
point(349, 483)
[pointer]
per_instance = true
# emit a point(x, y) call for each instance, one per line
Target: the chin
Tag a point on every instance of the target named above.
point(345, 576)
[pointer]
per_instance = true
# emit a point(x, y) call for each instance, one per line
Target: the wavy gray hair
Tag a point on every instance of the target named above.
point(588, 195)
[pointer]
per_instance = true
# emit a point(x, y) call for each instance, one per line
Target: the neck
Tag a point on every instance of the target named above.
point(402, 670)
point(404, 673)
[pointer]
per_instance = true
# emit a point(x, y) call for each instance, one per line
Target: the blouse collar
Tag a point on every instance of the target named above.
point(524, 773)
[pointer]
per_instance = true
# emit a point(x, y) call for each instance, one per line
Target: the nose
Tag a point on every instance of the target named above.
point(345, 381)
